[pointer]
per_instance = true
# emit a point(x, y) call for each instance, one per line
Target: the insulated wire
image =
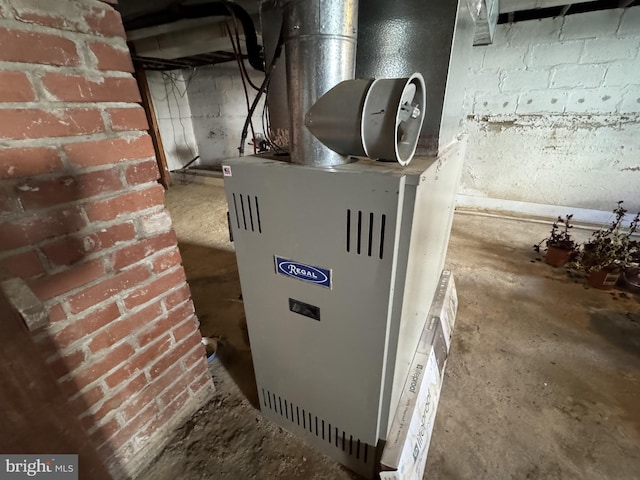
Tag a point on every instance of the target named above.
point(267, 129)
point(174, 87)
point(244, 86)
point(247, 121)
point(243, 68)
point(265, 126)
point(263, 87)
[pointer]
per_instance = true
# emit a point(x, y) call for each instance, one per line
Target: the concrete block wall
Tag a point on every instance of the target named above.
point(202, 112)
point(218, 109)
point(554, 112)
point(82, 221)
point(173, 113)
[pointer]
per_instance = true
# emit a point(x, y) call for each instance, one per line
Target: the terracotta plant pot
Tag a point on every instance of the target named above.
point(557, 257)
point(603, 279)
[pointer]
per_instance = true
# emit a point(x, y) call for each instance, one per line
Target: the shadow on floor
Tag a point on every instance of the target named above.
point(215, 286)
point(622, 329)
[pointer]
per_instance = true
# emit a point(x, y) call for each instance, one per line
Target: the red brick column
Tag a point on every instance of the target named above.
point(82, 220)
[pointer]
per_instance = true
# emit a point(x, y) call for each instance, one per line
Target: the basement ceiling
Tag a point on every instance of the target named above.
point(507, 6)
point(162, 47)
point(522, 10)
point(133, 8)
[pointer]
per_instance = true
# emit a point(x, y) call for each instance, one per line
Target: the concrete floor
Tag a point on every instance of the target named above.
point(542, 382)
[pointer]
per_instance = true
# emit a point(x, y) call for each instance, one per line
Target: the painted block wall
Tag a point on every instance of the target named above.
point(83, 223)
point(202, 112)
point(554, 113)
point(218, 109)
point(173, 113)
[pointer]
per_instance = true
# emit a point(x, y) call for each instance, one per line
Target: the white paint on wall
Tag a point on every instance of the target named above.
point(219, 109)
point(491, 206)
point(554, 113)
point(173, 113)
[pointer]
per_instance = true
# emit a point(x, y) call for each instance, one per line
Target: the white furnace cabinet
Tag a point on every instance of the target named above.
point(338, 269)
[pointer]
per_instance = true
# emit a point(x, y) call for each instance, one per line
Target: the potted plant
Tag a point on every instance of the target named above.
point(559, 244)
point(610, 251)
point(630, 278)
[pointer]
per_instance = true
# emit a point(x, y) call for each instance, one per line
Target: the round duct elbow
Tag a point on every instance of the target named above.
point(380, 119)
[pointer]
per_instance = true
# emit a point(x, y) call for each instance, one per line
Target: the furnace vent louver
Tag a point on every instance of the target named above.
point(247, 212)
point(365, 233)
point(316, 426)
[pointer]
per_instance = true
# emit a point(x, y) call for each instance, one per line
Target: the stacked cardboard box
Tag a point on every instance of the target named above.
point(405, 454)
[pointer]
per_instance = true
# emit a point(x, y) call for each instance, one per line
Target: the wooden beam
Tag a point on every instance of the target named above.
point(507, 6)
point(154, 131)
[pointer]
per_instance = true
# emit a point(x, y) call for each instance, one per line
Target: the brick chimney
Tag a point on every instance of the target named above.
point(82, 221)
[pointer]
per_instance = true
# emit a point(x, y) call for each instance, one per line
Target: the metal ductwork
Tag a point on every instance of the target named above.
point(320, 47)
point(398, 38)
point(379, 119)
point(392, 40)
point(333, 116)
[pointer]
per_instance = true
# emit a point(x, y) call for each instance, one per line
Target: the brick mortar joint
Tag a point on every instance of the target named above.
point(87, 60)
point(194, 366)
point(14, 23)
point(182, 303)
point(160, 438)
point(110, 393)
point(134, 215)
point(190, 372)
point(4, 254)
point(205, 371)
point(188, 319)
point(92, 358)
point(137, 456)
point(71, 170)
point(80, 394)
point(57, 327)
point(71, 374)
point(96, 306)
point(61, 142)
point(49, 105)
point(177, 380)
point(104, 256)
point(69, 70)
point(91, 74)
point(185, 374)
point(84, 202)
point(97, 425)
point(131, 399)
point(158, 276)
point(122, 422)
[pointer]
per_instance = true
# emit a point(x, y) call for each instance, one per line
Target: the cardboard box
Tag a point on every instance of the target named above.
point(405, 454)
point(444, 308)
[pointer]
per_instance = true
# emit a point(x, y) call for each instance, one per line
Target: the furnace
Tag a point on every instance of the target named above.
point(340, 255)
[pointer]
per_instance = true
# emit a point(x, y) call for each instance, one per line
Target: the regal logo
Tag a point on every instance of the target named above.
point(302, 271)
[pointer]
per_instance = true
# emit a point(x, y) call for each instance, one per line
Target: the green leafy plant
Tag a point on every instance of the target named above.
point(611, 248)
point(559, 237)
